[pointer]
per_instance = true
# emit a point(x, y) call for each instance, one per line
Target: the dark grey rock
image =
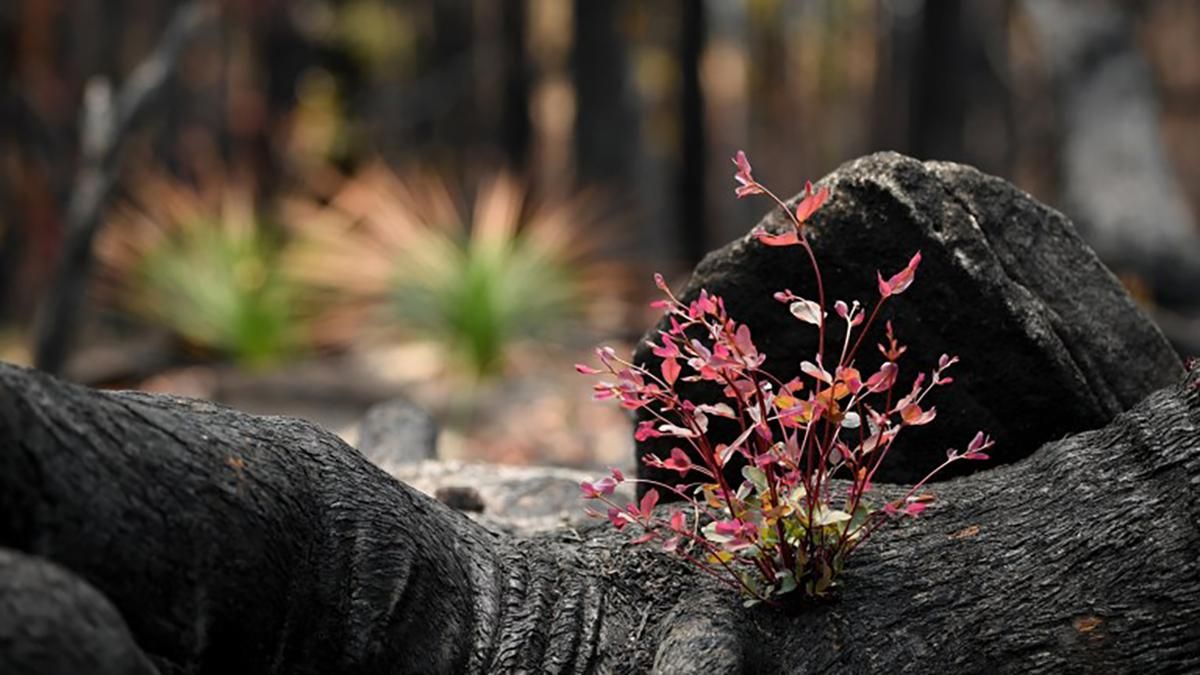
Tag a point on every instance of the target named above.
point(1050, 342)
point(507, 498)
point(460, 498)
point(397, 432)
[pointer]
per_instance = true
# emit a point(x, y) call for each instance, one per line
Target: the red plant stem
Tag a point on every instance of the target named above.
point(708, 456)
point(812, 259)
point(882, 452)
point(866, 327)
point(772, 479)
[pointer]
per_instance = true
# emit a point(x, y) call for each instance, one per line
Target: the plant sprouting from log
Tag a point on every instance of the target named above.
point(787, 526)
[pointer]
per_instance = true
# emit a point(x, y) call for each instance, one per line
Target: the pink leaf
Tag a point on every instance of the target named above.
point(678, 521)
point(884, 289)
point(678, 461)
point(813, 370)
point(811, 203)
point(604, 486)
point(883, 380)
point(677, 431)
point(790, 238)
point(914, 509)
point(718, 409)
point(741, 340)
point(807, 311)
point(900, 281)
point(914, 416)
point(670, 370)
point(649, 500)
point(668, 348)
point(645, 430)
point(729, 528)
point(976, 442)
point(586, 369)
point(618, 518)
point(746, 183)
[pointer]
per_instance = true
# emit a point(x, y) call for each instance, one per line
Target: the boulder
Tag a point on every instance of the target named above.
point(398, 432)
point(1049, 340)
point(505, 497)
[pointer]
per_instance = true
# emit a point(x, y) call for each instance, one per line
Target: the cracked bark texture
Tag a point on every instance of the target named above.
point(238, 544)
point(1050, 342)
point(54, 623)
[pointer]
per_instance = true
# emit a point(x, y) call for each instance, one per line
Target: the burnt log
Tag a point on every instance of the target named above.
point(54, 623)
point(1050, 342)
point(238, 544)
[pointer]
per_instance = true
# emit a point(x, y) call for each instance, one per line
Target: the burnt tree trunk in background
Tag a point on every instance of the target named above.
point(501, 84)
point(951, 59)
point(11, 248)
point(693, 231)
point(107, 120)
point(516, 126)
point(1116, 180)
point(236, 544)
point(609, 136)
point(606, 122)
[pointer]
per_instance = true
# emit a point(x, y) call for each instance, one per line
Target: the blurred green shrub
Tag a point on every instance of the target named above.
point(402, 251)
point(203, 264)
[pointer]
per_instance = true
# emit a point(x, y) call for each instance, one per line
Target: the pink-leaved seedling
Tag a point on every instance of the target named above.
point(786, 526)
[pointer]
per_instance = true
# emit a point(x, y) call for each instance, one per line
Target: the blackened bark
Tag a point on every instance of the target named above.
point(236, 547)
point(606, 124)
point(54, 623)
point(236, 544)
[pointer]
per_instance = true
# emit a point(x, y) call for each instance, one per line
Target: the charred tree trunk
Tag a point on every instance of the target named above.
point(692, 228)
point(1117, 181)
point(236, 544)
point(107, 121)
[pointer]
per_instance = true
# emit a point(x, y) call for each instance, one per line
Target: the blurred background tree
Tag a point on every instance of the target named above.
point(1092, 107)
